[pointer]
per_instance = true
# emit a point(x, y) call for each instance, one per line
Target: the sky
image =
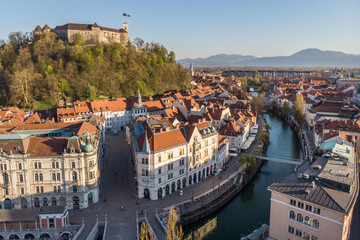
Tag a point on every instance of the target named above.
point(201, 28)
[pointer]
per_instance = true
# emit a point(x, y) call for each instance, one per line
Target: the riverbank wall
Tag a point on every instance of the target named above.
point(201, 207)
point(197, 209)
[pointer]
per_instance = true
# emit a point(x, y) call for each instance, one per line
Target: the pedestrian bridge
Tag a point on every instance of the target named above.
point(281, 159)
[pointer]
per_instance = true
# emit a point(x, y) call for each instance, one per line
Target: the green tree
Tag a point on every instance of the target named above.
point(77, 39)
point(264, 137)
point(267, 127)
point(173, 232)
point(249, 160)
point(299, 107)
point(257, 104)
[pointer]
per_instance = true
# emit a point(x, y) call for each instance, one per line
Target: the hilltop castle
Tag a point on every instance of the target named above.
point(88, 32)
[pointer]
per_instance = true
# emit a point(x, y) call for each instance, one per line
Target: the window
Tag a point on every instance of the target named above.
point(159, 171)
point(317, 210)
point(181, 171)
point(170, 155)
point(75, 189)
point(206, 143)
point(206, 152)
point(74, 176)
point(42, 189)
point(170, 176)
point(37, 190)
point(307, 221)
point(53, 164)
point(182, 152)
point(55, 189)
point(5, 178)
point(159, 180)
point(306, 236)
point(292, 215)
point(21, 178)
point(170, 166)
point(213, 140)
point(6, 191)
point(5, 167)
point(300, 205)
point(39, 164)
point(1, 167)
point(22, 190)
point(182, 162)
point(91, 175)
point(54, 177)
point(20, 166)
point(41, 176)
point(145, 172)
point(59, 189)
point(291, 229)
point(35, 165)
point(213, 149)
point(292, 202)
point(298, 232)
point(316, 224)
point(57, 164)
point(190, 150)
point(91, 163)
point(299, 217)
point(308, 208)
point(72, 164)
point(58, 176)
point(51, 223)
point(159, 158)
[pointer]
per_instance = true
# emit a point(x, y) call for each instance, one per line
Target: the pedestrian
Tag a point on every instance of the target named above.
point(122, 208)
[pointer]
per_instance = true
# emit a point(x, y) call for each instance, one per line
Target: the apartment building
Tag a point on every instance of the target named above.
point(50, 164)
point(168, 159)
point(316, 200)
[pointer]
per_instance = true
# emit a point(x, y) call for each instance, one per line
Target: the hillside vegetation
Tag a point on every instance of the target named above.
point(50, 72)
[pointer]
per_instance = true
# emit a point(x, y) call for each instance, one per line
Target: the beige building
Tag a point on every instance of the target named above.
point(316, 201)
point(89, 32)
point(50, 164)
point(168, 159)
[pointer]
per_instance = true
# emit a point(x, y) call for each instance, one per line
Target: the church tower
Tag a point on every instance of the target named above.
point(191, 69)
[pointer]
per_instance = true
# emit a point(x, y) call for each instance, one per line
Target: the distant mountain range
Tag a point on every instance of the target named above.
point(311, 57)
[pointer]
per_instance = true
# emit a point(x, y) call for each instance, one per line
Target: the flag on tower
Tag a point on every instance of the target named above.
point(126, 15)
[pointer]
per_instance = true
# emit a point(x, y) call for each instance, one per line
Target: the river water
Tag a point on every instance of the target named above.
point(251, 207)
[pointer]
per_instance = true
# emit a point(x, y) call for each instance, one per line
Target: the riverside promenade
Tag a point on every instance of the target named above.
point(118, 188)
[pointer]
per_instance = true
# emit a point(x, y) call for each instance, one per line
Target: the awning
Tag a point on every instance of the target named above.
point(247, 143)
point(233, 154)
point(233, 149)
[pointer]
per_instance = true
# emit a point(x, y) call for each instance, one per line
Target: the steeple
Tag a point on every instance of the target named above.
point(139, 101)
point(191, 69)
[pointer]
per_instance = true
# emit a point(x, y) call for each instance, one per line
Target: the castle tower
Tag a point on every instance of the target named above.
point(126, 26)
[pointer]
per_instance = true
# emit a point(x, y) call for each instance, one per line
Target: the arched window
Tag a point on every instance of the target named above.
point(58, 176)
point(53, 164)
point(41, 176)
point(74, 176)
point(316, 224)
point(21, 178)
point(299, 217)
point(292, 215)
point(36, 177)
point(54, 176)
point(59, 189)
point(307, 220)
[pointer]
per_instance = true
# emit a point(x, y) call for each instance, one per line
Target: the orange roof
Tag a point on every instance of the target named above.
point(114, 105)
point(33, 119)
point(65, 113)
point(153, 106)
point(46, 146)
point(167, 139)
point(82, 107)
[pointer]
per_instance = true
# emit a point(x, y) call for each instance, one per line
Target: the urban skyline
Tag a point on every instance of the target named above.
point(192, 29)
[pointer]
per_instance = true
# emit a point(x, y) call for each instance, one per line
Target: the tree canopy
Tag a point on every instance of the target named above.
point(52, 71)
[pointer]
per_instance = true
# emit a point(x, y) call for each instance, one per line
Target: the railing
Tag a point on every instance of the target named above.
point(79, 232)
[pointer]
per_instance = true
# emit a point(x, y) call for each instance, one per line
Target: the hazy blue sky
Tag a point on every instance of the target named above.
point(200, 28)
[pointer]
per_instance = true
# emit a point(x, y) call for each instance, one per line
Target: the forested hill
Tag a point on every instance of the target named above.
point(49, 71)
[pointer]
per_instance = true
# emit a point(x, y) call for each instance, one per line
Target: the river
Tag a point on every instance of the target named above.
point(251, 207)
